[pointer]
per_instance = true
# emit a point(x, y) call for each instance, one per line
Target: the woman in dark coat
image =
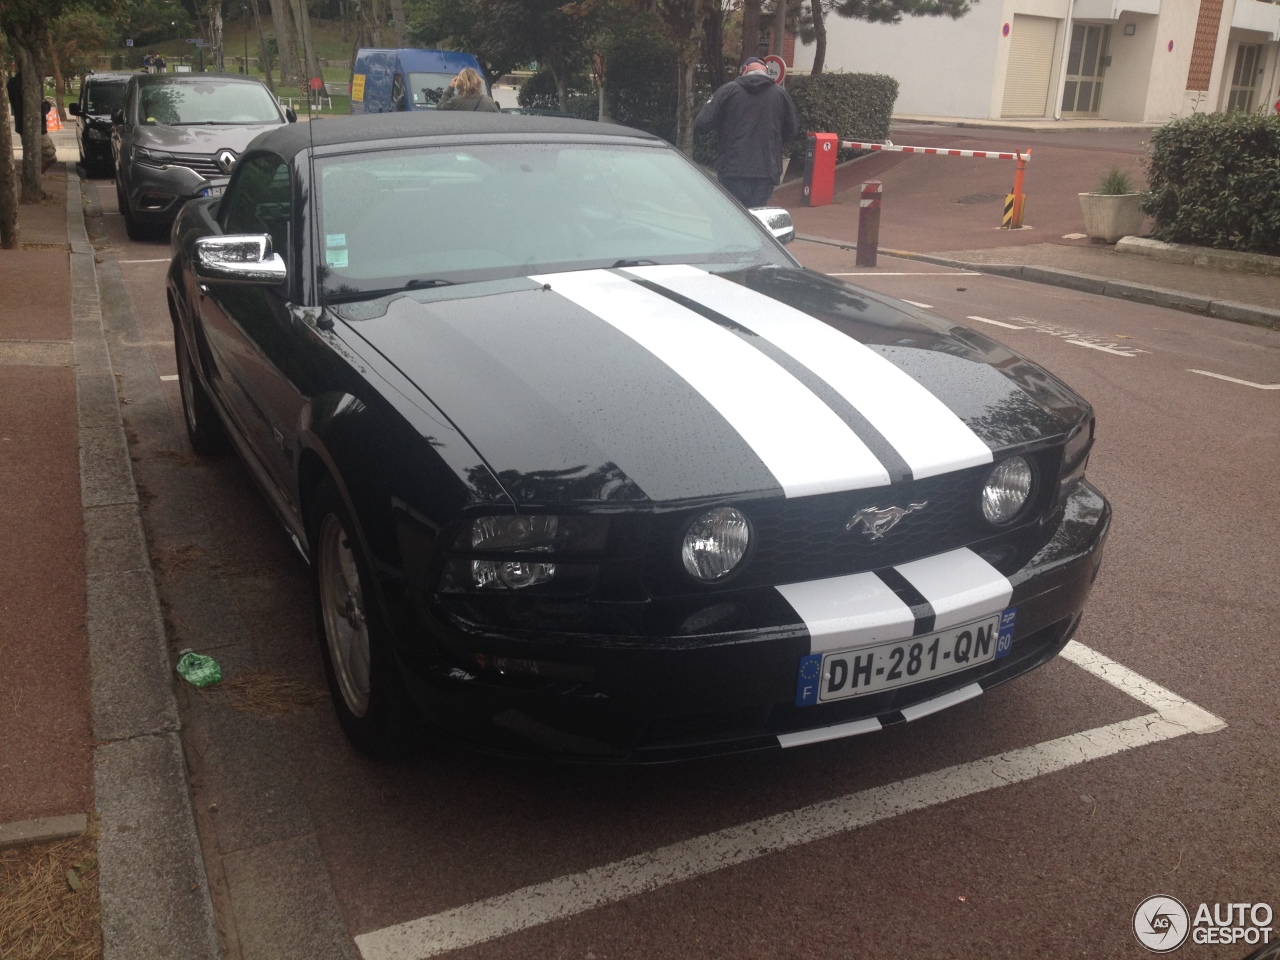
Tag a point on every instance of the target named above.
point(466, 92)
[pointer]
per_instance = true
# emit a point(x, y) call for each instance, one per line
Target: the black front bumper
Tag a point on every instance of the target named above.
point(662, 697)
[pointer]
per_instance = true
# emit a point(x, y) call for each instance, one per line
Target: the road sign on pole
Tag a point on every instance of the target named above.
point(776, 67)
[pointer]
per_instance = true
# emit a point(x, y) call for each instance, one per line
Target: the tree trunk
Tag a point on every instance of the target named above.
point(562, 86)
point(264, 51)
point(32, 66)
point(59, 87)
point(713, 46)
point(312, 63)
point(379, 17)
point(215, 35)
point(8, 183)
point(820, 38)
point(282, 20)
point(686, 64)
point(779, 28)
point(397, 15)
point(344, 17)
point(750, 28)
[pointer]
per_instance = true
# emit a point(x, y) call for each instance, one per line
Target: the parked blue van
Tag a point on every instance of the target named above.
point(384, 81)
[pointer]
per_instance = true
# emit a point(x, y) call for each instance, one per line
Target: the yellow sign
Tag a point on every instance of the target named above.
point(357, 88)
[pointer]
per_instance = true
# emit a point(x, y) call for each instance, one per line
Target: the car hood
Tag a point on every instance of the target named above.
point(199, 139)
point(670, 383)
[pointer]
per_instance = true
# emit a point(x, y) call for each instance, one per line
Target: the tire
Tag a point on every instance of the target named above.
point(369, 696)
point(204, 429)
point(132, 228)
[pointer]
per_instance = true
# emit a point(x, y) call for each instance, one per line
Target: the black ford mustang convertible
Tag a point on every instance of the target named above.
point(585, 464)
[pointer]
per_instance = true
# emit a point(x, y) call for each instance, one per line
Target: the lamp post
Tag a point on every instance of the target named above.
point(244, 32)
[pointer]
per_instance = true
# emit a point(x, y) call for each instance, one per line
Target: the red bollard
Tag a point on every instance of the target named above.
point(869, 223)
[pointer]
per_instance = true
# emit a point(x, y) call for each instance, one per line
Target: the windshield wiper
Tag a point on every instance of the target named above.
point(350, 296)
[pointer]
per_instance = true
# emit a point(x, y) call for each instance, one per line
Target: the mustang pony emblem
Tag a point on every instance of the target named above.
point(876, 522)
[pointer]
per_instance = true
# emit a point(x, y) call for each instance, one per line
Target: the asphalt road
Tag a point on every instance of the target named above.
point(1104, 789)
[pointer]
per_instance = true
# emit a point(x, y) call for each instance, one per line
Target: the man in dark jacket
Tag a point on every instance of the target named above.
point(754, 118)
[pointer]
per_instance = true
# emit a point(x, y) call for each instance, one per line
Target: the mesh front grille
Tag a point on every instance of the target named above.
point(205, 166)
point(807, 538)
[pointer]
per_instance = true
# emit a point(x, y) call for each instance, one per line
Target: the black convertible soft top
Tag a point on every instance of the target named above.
point(289, 140)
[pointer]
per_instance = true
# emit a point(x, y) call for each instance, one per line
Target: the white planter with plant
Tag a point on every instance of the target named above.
point(1111, 212)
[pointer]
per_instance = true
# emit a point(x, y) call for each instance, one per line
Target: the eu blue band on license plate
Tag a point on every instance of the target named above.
point(1004, 643)
point(902, 657)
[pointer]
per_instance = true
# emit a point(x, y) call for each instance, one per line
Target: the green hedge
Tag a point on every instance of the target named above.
point(857, 106)
point(1214, 181)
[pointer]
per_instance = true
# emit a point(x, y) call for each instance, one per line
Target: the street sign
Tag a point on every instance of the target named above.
point(128, 43)
point(776, 67)
point(199, 42)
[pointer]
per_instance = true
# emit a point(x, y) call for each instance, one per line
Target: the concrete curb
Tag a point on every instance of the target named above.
point(152, 883)
point(1100, 286)
point(1254, 263)
point(26, 832)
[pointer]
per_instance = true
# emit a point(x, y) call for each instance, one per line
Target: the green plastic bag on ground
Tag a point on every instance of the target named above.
point(198, 670)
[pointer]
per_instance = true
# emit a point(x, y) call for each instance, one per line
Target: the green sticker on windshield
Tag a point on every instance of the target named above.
point(336, 258)
point(335, 239)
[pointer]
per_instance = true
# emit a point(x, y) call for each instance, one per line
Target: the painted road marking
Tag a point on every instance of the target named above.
point(1097, 346)
point(568, 896)
point(996, 323)
point(170, 376)
point(917, 303)
point(161, 260)
point(877, 273)
point(1245, 383)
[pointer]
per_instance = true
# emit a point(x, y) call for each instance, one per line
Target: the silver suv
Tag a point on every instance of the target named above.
point(177, 130)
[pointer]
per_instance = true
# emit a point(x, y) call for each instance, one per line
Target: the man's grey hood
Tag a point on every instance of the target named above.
point(755, 81)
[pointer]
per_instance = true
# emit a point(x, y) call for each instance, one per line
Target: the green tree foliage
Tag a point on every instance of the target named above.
point(504, 34)
point(1213, 179)
point(146, 22)
point(78, 35)
point(811, 23)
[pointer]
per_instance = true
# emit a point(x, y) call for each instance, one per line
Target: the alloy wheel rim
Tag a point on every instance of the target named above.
point(342, 607)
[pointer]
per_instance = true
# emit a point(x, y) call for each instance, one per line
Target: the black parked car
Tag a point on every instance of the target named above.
point(173, 131)
point(584, 463)
point(101, 95)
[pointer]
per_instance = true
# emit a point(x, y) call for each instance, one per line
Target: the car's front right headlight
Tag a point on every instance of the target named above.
point(1007, 490)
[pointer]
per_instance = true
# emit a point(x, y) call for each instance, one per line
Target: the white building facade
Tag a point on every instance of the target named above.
point(1132, 60)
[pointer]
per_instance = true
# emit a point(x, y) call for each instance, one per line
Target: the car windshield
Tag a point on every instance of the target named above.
point(428, 88)
point(208, 102)
point(105, 97)
point(453, 214)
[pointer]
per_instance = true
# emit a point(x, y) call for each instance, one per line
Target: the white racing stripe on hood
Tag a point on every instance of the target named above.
point(807, 448)
point(959, 585)
point(926, 433)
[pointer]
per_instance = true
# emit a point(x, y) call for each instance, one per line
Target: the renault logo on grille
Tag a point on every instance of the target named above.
point(877, 522)
point(226, 160)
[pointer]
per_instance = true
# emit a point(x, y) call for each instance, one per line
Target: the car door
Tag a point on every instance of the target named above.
point(256, 344)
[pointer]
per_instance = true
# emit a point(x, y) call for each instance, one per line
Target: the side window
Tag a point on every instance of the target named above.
point(260, 200)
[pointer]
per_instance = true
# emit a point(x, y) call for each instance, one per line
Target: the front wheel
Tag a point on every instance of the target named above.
point(204, 429)
point(368, 693)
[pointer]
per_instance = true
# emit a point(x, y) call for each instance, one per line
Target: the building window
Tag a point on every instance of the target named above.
point(1087, 60)
point(1244, 79)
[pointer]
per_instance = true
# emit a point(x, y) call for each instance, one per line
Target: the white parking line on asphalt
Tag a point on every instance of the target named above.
point(567, 896)
point(996, 323)
point(916, 273)
point(917, 303)
point(1097, 346)
point(161, 260)
point(170, 376)
point(1245, 383)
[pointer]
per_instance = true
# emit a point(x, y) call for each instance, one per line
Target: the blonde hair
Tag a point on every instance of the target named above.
point(469, 83)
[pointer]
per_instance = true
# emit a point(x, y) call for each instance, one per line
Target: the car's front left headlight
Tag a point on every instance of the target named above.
point(155, 158)
point(1007, 490)
point(93, 133)
point(715, 543)
point(506, 552)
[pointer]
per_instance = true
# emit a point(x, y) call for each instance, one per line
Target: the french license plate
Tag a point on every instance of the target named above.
point(214, 191)
point(841, 674)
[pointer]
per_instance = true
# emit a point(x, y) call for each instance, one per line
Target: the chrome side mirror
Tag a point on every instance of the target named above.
point(247, 259)
point(777, 221)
